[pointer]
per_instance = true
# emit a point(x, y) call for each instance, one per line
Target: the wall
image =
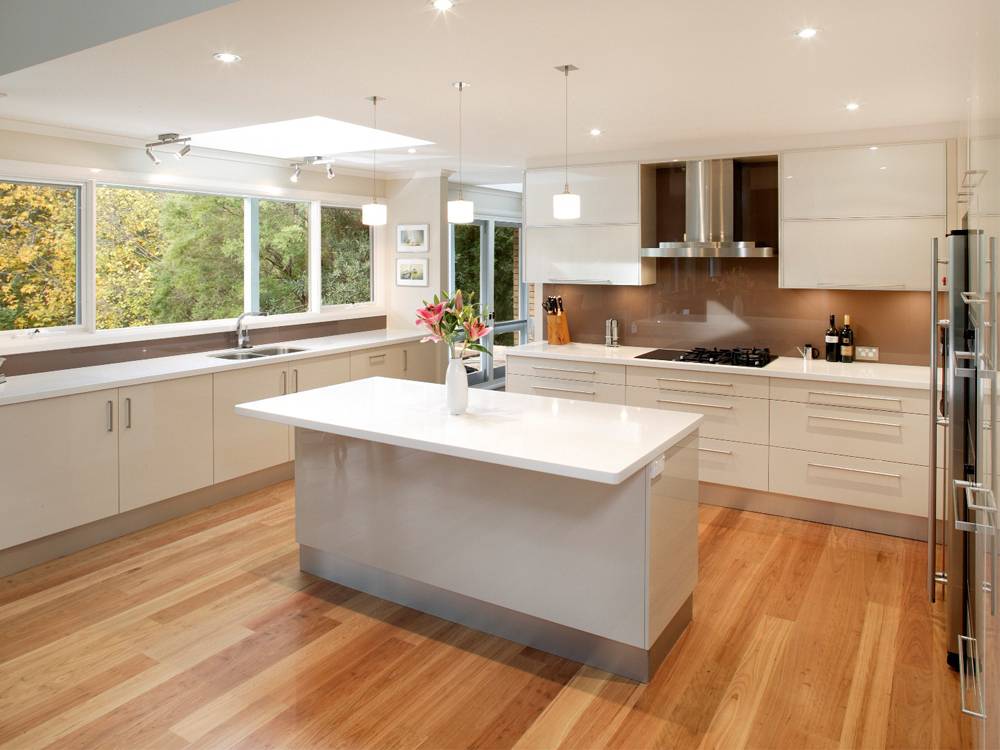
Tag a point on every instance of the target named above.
point(737, 302)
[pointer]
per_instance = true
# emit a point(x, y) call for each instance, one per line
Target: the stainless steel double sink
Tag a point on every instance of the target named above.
point(258, 352)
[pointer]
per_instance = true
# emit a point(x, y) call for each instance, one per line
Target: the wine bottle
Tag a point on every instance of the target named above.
point(847, 341)
point(832, 339)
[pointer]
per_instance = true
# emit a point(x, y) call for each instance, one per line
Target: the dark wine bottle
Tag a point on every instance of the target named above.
point(832, 339)
point(847, 341)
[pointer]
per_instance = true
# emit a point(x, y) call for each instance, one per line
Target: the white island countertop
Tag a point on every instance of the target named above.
point(860, 373)
point(597, 442)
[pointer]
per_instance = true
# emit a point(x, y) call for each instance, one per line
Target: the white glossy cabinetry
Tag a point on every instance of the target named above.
point(861, 218)
point(581, 381)
point(244, 445)
point(604, 245)
point(373, 363)
point(58, 464)
point(165, 439)
point(421, 361)
point(316, 373)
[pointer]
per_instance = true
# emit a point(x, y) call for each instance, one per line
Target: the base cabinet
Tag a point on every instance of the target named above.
point(374, 363)
point(165, 443)
point(58, 464)
point(244, 445)
point(420, 362)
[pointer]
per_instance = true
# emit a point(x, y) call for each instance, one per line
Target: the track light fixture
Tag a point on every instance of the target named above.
point(330, 174)
point(185, 150)
point(168, 139)
point(296, 172)
point(152, 157)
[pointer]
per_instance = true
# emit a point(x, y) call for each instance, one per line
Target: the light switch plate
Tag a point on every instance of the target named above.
point(866, 353)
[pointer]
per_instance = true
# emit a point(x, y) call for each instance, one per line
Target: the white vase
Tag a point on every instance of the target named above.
point(456, 383)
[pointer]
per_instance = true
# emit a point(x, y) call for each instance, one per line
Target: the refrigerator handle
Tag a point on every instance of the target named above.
point(938, 418)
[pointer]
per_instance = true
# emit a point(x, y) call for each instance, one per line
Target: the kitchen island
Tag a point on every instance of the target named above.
point(567, 526)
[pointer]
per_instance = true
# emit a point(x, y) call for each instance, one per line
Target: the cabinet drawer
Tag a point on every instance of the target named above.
point(698, 381)
point(735, 464)
point(585, 372)
point(726, 417)
point(850, 432)
point(386, 362)
point(906, 400)
point(881, 485)
point(555, 388)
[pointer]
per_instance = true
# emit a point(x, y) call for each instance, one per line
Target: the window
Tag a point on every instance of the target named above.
point(283, 256)
point(167, 257)
point(345, 256)
point(39, 255)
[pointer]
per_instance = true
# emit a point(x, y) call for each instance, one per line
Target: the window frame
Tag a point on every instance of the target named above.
point(316, 289)
point(86, 333)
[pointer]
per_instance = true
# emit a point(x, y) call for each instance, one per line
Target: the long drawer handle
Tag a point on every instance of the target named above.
point(856, 471)
point(563, 390)
point(579, 281)
point(862, 285)
point(855, 421)
point(564, 369)
point(699, 382)
point(962, 639)
point(373, 357)
point(715, 450)
point(855, 395)
point(693, 403)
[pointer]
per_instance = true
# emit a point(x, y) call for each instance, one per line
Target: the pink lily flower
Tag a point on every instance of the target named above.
point(476, 329)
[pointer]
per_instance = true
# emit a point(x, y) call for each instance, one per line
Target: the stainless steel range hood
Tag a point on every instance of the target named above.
point(708, 217)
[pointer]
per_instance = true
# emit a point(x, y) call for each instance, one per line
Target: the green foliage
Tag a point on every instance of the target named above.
point(345, 249)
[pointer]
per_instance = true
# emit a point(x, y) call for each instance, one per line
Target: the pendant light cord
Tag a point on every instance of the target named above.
point(566, 137)
point(461, 183)
point(374, 127)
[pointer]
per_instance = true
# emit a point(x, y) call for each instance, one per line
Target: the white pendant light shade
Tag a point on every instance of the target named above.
point(566, 206)
point(374, 214)
point(460, 212)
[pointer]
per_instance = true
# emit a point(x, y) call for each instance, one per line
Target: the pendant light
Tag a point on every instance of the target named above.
point(374, 214)
point(566, 205)
point(460, 211)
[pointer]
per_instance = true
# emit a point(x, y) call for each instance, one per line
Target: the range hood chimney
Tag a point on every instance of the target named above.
point(708, 217)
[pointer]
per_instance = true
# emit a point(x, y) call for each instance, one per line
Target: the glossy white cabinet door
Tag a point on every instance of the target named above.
point(307, 374)
point(165, 439)
point(609, 194)
point(244, 445)
point(888, 254)
point(858, 182)
point(586, 255)
point(58, 464)
point(386, 362)
point(420, 361)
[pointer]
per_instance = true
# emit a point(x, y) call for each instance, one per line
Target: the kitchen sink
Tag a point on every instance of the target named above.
point(237, 355)
point(256, 353)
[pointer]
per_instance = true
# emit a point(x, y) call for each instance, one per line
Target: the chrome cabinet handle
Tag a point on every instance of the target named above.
point(859, 285)
point(855, 471)
point(128, 414)
point(111, 416)
point(854, 395)
point(406, 360)
point(699, 382)
point(564, 369)
point(579, 281)
point(693, 403)
point(373, 357)
point(962, 640)
point(715, 450)
point(284, 382)
point(563, 390)
point(295, 380)
point(855, 421)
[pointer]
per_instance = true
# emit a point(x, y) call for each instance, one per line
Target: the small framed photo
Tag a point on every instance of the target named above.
point(411, 238)
point(411, 271)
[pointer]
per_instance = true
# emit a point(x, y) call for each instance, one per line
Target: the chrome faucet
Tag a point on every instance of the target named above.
point(242, 333)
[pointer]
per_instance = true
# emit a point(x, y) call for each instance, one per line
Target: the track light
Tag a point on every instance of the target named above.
point(152, 157)
point(183, 152)
point(329, 172)
point(296, 172)
point(168, 139)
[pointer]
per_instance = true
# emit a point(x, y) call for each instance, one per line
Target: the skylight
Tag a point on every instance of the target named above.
point(306, 136)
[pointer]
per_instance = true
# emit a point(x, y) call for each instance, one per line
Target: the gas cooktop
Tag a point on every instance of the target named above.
point(753, 357)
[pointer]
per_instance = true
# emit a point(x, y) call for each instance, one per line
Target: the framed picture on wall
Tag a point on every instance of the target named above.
point(411, 238)
point(411, 271)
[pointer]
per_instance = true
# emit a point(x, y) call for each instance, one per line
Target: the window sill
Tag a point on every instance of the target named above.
point(21, 342)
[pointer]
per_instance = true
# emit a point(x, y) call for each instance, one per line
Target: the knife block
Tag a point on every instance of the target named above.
point(557, 328)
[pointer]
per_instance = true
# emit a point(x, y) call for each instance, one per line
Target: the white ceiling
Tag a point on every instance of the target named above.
point(651, 71)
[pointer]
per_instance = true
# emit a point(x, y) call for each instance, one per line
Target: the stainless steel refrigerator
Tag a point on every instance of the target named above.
point(962, 507)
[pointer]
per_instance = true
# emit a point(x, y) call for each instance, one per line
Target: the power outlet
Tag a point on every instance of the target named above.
point(866, 353)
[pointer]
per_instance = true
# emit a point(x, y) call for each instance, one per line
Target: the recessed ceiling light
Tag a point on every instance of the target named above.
point(411, 151)
point(595, 131)
point(443, 5)
point(227, 57)
point(289, 139)
point(806, 33)
point(883, 167)
point(852, 106)
point(873, 148)
point(95, 170)
point(788, 177)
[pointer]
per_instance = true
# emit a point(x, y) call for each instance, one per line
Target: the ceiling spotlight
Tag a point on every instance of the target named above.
point(852, 106)
point(295, 173)
point(152, 157)
point(227, 57)
point(330, 174)
point(411, 151)
point(595, 132)
point(807, 33)
point(185, 150)
point(443, 5)
point(883, 167)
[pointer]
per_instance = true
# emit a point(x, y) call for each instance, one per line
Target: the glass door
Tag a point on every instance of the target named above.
point(486, 258)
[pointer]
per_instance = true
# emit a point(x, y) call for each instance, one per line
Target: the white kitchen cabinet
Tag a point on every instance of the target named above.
point(733, 463)
point(725, 417)
point(421, 361)
point(386, 362)
point(894, 180)
point(58, 464)
point(606, 254)
point(165, 443)
point(878, 254)
point(555, 388)
point(609, 194)
point(586, 372)
point(244, 445)
point(306, 374)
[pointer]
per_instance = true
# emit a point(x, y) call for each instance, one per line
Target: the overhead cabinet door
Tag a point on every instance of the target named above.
point(609, 194)
point(583, 255)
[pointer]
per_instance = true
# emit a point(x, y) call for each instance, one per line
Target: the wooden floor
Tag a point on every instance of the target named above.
point(202, 632)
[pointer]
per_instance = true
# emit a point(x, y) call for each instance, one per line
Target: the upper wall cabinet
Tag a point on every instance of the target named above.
point(604, 245)
point(862, 217)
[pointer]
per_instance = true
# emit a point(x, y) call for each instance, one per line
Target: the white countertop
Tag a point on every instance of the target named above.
point(581, 440)
point(861, 373)
point(40, 385)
